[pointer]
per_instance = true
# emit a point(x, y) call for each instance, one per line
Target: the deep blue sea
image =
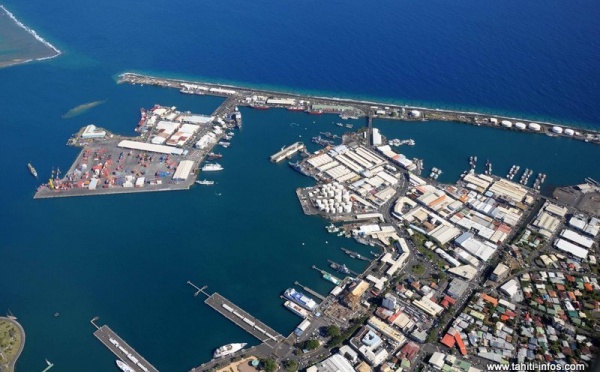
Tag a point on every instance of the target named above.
point(127, 258)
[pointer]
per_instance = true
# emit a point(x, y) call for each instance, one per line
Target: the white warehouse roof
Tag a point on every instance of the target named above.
point(183, 170)
point(161, 149)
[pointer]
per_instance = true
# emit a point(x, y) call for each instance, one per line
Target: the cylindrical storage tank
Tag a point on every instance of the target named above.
point(348, 208)
point(321, 207)
point(520, 125)
point(535, 126)
point(557, 129)
point(338, 198)
point(326, 209)
point(330, 194)
point(346, 198)
point(415, 113)
point(494, 120)
point(569, 132)
point(340, 209)
point(506, 123)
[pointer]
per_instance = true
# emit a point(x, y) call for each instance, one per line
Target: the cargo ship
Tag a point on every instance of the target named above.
point(212, 167)
point(259, 106)
point(32, 170)
point(296, 309)
point(124, 366)
point(316, 112)
point(300, 298)
point(228, 349)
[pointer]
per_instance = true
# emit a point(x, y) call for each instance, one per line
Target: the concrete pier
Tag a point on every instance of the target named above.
point(287, 151)
point(122, 350)
point(243, 320)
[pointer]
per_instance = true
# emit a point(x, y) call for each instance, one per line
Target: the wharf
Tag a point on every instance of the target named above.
point(287, 151)
point(242, 319)
point(370, 109)
point(316, 294)
point(104, 334)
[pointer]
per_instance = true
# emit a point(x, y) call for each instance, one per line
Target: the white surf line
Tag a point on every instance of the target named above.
point(34, 34)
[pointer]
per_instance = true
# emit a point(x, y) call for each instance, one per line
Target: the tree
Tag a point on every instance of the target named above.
point(333, 331)
point(269, 365)
point(290, 365)
point(310, 344)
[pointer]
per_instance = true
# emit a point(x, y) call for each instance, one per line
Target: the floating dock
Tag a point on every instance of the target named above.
point(287, 151)
point(122, 350)
point(244, 320)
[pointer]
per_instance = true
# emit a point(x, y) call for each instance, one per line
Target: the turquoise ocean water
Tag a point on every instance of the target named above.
point(127, 258)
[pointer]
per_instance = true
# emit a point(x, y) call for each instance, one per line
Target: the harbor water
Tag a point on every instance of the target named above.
point(127, 258)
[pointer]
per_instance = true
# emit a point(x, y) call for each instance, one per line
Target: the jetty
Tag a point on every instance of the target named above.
point(356, 255)
point(121, 349)
point(287, 152)
point(334, 265)
point(314, 293)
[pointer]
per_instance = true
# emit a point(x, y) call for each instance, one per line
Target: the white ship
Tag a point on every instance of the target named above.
point(205, 182)
point(296, 309)
point(124, 366)
point(228, 349)
point(212, 167)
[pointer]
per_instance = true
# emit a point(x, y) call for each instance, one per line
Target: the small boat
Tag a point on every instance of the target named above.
point(124, 366)
point(349, 125)
point(205, 182)
point(213, 156)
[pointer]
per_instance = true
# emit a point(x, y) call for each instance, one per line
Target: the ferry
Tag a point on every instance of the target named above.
point(32, 170)
point(228, 349)
point(298, 168)
point(296, 309)
point(332, 279)
point(212, 167)
point(205, 182)
point(124, 366)
point(300, 298)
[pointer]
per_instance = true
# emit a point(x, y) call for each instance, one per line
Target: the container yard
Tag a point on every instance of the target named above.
point(165, 156)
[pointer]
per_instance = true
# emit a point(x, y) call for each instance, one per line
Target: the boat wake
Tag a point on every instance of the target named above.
point(35, 35)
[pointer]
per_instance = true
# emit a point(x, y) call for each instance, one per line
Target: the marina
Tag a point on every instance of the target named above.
point(121, 349)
